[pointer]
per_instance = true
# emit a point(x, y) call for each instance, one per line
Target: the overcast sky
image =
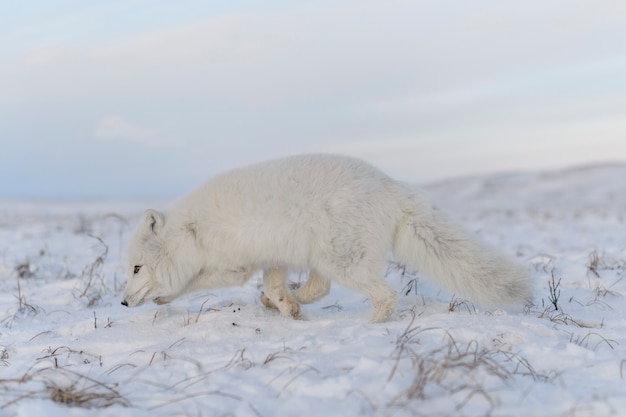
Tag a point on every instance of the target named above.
point(150, 98)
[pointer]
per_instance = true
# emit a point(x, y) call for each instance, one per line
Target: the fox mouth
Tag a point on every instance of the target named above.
point(125, 303)
point(136, 299)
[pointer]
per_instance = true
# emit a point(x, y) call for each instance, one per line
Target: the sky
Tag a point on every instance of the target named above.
point(137, 98)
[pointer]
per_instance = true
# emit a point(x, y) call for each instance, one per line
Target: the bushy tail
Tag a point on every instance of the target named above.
point(429, 242)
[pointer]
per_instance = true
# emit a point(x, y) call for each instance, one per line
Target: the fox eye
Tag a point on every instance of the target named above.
point(137, 268)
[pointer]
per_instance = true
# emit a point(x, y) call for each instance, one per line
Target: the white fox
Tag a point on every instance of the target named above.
point(336, 217)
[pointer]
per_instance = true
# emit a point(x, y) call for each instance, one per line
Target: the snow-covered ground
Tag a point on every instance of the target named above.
point(68, 348)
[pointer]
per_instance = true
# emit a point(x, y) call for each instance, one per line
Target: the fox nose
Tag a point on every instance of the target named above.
point(125, 303)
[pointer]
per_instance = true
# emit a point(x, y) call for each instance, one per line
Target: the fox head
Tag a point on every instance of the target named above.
point(144, 256)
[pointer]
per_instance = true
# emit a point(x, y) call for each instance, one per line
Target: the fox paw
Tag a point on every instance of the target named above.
point(290, 308)
point(267, 302)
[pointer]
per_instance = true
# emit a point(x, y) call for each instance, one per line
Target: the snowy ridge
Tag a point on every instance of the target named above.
point(593, 186)
point(67, 347)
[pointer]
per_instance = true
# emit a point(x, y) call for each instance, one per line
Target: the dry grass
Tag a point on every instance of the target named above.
point(558, 317)
point(464, 373)
point(94, 284)
point(458, 304)
point(24, 308)
point(593, 341)
point(85, 392)
point(63, 386)
point(599, 262)
point(555, 291)
point(51, 377)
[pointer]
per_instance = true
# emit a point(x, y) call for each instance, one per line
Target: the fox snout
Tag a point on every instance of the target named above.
point(125, 303)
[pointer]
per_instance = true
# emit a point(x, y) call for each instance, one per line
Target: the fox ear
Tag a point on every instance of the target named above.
point(153, 221)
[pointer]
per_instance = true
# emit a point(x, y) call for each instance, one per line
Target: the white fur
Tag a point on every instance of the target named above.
point(337, 217)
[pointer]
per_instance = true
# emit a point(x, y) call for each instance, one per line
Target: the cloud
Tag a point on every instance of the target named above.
point(116, 128)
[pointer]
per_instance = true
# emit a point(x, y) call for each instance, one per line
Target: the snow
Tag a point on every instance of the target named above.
point(68, 348)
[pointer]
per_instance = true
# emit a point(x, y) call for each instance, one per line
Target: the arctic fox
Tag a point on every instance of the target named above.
point(336, 217)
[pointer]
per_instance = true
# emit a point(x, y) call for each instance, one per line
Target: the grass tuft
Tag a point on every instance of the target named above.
point(94, 284)
point(462, 372)
point(555, 291)
point(62, 386)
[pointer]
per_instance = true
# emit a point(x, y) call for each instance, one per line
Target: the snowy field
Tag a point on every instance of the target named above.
point(68, 348)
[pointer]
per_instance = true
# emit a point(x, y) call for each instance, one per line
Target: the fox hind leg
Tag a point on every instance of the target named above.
point(383, 299)
point(374, 287)
point(368, 279)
